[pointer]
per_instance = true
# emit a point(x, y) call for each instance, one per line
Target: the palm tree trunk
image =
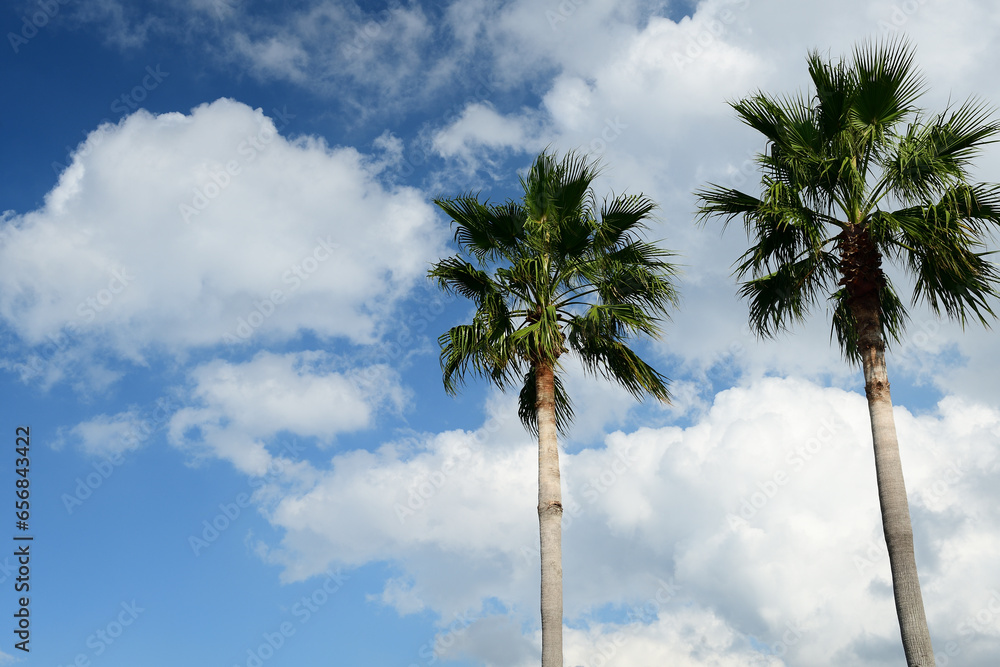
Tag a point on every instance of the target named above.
point(891, 490)
point(549, 518)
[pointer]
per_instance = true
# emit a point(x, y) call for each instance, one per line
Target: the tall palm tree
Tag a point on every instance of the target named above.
point(548, 276)
point(854, 174)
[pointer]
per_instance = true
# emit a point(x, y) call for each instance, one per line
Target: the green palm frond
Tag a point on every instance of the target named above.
point(943, 247)
point(597, 339)
point(556, 191)
point(949, 273)
point(728, 204)
point(620, 219)
point(762, 114)
point(935, 155)
point(524, 279)
point(646, 282)
point(834, 163)
point(887, 89)
point(961, 283)
point(527, 400)
point(540, 263)
point(540, 338)
point(893, 318)
point(785, 296)
point(456, 276)
point(482, 348)
point(484, 231)
point(833, 83)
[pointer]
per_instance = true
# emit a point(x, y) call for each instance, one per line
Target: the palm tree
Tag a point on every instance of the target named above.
point(547, 276)
point(854, 174)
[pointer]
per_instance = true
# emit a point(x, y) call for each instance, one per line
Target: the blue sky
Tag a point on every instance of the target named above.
point(214, 317)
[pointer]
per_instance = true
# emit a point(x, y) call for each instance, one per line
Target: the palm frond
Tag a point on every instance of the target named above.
point(527, 401)
point(597, 338)
point(888, 86)
point(726, 203)
point(785, 296)
point(542, 262)
point(555, 190)
point(947, 257)
point(616, 361)
point(456, 276)
point(762, 114)
point(834, 84)
point(482, 348)
point(486, 232)
point(647, 283)
point(892, 320)
point(933, 156)
point(620, 217)
point(540, 339)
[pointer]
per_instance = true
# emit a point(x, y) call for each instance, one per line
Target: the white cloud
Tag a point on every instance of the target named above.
point(400, 595)
point(369, 62)
point(624, 91)
point(370, 505)
point(217, 9)
point(467, 21)
point(480, 126)
point(273, 57)
point(238, 409)
point(189, 230)
point(689, 638)
point(109, 434)
point(528, 38)
point(761, 516)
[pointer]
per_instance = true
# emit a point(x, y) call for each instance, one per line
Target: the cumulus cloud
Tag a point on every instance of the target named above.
point(241, 412)
point(110, 435)
point(754, 533)
point(180, 231)
point(481, 126)
point(237, 409)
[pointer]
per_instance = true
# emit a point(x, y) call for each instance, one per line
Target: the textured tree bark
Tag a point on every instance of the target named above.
point(863, 280)
point(549, 519)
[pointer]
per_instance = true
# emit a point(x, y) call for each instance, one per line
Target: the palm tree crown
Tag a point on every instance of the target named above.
point(549, 277)
point(854, 174)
